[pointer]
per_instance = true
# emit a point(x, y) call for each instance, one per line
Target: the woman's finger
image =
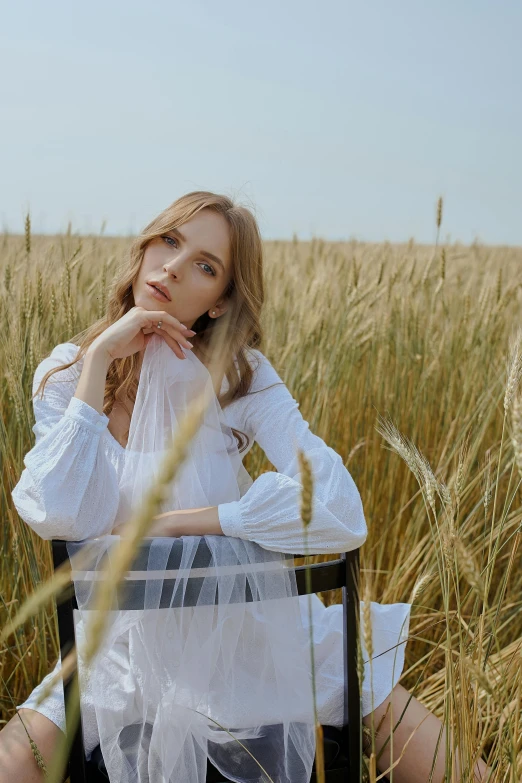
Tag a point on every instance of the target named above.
point(174, 333)
point(173, 343)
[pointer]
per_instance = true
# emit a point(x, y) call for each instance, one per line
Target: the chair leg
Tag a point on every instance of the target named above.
point(352, 729)
point(66, 630)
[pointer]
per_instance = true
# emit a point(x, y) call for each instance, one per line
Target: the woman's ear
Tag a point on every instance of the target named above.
point(219, 309)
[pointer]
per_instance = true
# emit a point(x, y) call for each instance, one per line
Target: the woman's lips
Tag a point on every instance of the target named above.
point(157, 294)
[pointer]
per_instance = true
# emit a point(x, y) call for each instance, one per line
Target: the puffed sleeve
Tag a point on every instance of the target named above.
point(68, 488)
point(269, 512)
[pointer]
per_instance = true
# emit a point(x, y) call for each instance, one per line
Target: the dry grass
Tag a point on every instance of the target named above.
point(398, 356)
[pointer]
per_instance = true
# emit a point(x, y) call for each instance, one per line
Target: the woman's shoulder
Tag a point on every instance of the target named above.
point(267, 396)
point(63, 353)
point(264, 372)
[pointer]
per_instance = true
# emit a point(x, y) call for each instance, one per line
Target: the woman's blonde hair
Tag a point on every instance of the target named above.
point(241, 321)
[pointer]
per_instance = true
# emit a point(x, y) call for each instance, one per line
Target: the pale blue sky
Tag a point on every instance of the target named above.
point(334, 119)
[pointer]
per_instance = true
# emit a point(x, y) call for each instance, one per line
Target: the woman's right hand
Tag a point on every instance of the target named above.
point(130, 333)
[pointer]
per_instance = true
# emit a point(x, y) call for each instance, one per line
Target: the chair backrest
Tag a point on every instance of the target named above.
point(342, 573)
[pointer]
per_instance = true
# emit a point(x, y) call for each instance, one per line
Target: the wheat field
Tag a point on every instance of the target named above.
point(404, 360)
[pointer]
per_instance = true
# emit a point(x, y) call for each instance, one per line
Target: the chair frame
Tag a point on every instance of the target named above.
point(342, 573)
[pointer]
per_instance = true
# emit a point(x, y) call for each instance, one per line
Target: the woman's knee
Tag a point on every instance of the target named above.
point(17, 758)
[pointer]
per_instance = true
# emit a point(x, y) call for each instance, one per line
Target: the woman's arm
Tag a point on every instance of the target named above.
point(69, 487)
point(91, 386)
point(269, 512)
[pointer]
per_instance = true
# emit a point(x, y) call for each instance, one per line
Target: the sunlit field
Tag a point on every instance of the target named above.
point(399, 356)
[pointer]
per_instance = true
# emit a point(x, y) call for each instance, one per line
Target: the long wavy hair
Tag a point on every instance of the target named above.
point(240, 323)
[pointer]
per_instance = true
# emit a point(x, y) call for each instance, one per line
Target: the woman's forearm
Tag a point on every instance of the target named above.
point(201, 521)
point(188, 522)
point(91, 386)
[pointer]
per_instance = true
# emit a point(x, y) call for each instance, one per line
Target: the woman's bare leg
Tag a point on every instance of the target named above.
point(415, 765)
point(17, 762)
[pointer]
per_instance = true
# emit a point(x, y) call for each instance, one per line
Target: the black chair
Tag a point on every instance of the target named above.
point(342, 747)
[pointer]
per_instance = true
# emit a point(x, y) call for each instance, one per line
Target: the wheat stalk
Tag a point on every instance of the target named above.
point(306, 503)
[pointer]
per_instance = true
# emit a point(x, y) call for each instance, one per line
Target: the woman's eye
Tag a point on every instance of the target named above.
point(212, 272)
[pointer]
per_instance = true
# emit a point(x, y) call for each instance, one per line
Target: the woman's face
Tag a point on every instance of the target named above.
point(181, 261)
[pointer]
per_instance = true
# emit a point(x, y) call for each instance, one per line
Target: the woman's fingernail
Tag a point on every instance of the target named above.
point(191, 331)
point(190, 344)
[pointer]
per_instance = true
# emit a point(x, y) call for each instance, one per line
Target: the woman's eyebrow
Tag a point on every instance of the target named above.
point(178, 233)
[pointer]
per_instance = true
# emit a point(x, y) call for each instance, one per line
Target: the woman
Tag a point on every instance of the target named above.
point(197, 260)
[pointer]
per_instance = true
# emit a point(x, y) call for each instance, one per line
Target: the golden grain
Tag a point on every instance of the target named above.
point(403, 383)
point(439, 212)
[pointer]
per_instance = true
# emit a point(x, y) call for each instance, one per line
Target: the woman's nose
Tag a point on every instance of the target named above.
point(174, 266)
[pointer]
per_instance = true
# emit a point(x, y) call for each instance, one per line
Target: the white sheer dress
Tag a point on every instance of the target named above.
point(69, 489)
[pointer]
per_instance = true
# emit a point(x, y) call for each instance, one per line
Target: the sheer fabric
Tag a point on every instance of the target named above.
point(211, 625)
